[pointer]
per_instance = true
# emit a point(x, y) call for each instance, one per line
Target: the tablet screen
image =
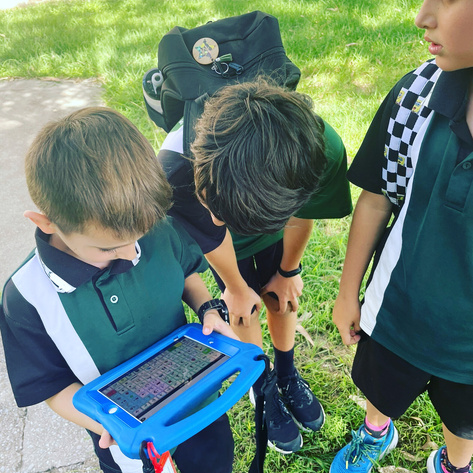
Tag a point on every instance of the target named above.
point(149, 386)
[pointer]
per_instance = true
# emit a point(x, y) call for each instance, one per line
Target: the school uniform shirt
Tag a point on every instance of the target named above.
point(419, 301)
point(64, 320)
point(331, 200)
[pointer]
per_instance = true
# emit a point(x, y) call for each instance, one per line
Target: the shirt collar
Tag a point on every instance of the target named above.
point(450, 94)
point(450, 99)
point(67, 272)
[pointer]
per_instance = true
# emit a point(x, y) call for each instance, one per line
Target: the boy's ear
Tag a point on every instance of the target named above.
point(40, 220)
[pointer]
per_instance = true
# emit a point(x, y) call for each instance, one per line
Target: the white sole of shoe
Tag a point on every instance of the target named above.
point(430, 462)
point(393, 444)
point(251, 395)
point(284, 452)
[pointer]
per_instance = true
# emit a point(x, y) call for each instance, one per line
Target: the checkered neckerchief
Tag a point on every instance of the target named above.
point(407, 116)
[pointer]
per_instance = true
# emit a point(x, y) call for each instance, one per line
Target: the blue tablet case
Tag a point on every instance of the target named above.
point(174, 420)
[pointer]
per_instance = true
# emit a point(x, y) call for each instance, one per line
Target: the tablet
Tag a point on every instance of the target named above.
point(157, 395)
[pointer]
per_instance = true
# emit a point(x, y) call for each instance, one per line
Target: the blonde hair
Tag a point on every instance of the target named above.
point(95, 167)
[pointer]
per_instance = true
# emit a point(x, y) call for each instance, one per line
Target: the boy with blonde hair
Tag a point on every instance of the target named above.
point(107, 278)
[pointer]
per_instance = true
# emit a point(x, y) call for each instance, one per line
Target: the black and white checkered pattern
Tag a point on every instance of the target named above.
point(407, 116)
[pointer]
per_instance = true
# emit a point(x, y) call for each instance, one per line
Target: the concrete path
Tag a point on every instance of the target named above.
point(33, 440)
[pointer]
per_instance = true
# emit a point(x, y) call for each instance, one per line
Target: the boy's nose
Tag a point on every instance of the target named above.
point(425, 19)
point(127, 252)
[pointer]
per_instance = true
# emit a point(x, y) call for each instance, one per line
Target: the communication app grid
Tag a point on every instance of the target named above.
point(144, 389)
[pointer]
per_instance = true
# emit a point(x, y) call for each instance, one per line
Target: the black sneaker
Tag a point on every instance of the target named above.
point(283, 433)
point(301, 402)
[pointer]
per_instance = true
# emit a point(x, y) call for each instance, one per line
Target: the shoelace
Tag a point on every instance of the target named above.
point(297, 392)
point(275, 408)
point(357, 449)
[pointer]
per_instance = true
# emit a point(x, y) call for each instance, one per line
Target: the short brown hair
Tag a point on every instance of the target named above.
point(259, 153)
point(94, 166)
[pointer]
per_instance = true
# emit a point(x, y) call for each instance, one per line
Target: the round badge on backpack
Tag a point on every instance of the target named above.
point(205, 51)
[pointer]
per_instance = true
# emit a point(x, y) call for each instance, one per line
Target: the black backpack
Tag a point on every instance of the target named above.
point(194, 63)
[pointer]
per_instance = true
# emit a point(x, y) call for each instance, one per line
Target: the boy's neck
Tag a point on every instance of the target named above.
point(469, 110)
point(56, 241)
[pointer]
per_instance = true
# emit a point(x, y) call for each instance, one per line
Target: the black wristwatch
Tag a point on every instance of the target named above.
point(219, 305)
point(290, 274)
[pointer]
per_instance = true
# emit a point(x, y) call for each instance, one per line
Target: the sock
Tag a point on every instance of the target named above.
point(283, 363)
point(374, 430)
point(447, 467)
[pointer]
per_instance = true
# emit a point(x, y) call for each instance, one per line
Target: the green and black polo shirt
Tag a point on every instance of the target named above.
point(332, 199)
point(418, 301)
point(65, 320)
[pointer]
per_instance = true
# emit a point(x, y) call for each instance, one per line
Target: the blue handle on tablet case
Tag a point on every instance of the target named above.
point(169, 427)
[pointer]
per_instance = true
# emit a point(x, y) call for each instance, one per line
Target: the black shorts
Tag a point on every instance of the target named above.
point(391, 384)
point(257, 270)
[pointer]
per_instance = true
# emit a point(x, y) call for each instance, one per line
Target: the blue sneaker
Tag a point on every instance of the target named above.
point(364, 451)
point(283, 433)
point(301, 402)
point(434, 462)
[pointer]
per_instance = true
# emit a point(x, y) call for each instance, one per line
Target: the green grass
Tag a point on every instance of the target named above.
point(350, 52)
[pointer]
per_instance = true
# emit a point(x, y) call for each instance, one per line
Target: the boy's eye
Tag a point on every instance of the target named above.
point(107, 250)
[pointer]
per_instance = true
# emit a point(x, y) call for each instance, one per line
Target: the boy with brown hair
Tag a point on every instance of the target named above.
point(414, 327)
point(107, 278)
point(264, 165)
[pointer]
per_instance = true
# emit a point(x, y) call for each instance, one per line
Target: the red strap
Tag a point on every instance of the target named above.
point(154, 456)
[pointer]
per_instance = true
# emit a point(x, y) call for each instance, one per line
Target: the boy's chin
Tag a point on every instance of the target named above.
point(449, 66)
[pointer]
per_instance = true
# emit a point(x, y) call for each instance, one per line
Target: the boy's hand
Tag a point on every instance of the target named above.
point(213, 321)
point(346, 316)
point(242, 305)
point(287, 290)
point(106, 440)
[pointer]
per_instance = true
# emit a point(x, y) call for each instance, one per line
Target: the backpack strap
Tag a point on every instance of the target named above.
point(192, 111)
point(407, 116)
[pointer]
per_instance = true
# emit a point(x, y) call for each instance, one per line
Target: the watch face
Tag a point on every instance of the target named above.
point(223, 311)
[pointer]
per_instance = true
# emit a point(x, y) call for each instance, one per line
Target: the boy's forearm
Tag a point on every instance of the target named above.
point(223, 261)
point(195, 292)
point(61, 404)
point(297, 233)
point(370, 218)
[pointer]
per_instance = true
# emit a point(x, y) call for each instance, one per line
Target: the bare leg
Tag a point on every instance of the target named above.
point(282, 327)
point(251, 334)
point(459, 450)
point(374, 416)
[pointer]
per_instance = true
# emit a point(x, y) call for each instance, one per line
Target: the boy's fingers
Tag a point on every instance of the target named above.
point(283, 307)
point(245, 321)
point(294, 305)
point(353, 338)
point(106, 440)
point(219, 326)
point(350, 336)
point(227, 331)
point(290, 306)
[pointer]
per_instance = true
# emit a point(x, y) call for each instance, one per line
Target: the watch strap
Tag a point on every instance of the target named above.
point(290, 274)
point(219, 305)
